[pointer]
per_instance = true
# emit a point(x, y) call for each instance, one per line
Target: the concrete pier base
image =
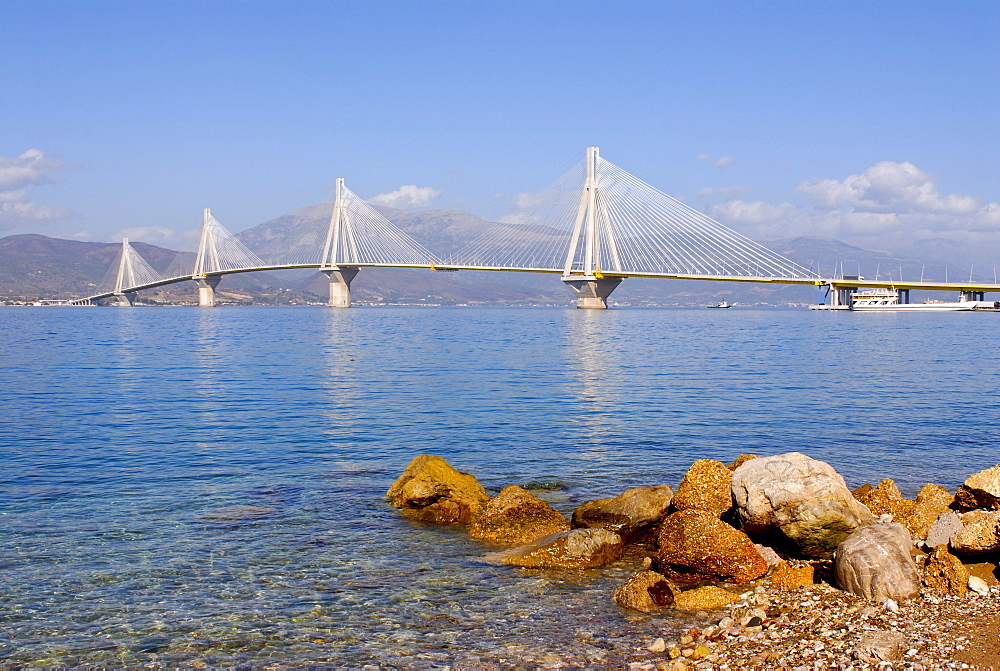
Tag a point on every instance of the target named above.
point(592, 293)
point(125, 300)
point(206, 290)
point(340, 286)
point(840, 297)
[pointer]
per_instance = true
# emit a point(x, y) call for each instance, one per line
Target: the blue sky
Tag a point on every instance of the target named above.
point(871, 122)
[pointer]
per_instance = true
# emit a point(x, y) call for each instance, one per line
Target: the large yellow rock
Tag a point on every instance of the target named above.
point(645, 591)
point(695, 545)
point(631, 514)
point(431, 490)
point(945, 572)
point(706, 486)
point(515, 517)
point(579, 548)
point(932, 501)
point(980, 490)
point(885, 499)
point(704, 598)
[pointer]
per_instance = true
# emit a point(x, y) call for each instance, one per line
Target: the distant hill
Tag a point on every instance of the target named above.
point(35, 266)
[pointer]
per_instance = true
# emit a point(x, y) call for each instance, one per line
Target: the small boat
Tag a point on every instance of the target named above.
point(720, 304)
point(887, 300)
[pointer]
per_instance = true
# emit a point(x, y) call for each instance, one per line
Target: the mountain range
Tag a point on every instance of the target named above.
point(35, 266)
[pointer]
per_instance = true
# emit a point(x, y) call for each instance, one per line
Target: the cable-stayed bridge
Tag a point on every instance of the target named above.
point(596, 226)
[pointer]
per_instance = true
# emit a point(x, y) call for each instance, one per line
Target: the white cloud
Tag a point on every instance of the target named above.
point(408, 196)
point(17, 176)
point(724, 192)
point(722, 162)
point(894, 204)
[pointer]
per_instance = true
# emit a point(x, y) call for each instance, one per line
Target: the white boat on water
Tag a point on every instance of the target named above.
point(720, 304)
point(887, 300)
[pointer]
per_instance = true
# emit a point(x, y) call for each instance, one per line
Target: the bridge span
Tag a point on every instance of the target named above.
point(595, 226)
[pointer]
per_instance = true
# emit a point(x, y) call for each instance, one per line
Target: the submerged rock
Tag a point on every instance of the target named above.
point(980, 490)
point(645, 591)
point(695, 545)
point(431, 490)
point(516, 517)
point(239, 513)
point(579, 548)
point(630, 514)
point(804, 500)
point(706, 486)
point(875, 563)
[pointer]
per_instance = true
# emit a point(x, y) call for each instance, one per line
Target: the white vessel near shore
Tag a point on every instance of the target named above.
point(887, 300)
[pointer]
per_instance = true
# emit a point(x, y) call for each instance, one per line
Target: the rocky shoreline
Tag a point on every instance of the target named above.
point(779, 563)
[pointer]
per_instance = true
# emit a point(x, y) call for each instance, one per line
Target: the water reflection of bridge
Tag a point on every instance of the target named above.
point(596, 226)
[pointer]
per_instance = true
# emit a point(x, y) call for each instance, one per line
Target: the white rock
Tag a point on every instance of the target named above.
point(804, 499)
point(875, 563)
point(979, 586)
point(891, 606)
point(659, 645)
point(944, 527)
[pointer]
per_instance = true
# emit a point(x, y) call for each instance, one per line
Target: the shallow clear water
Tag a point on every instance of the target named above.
point(183, 486)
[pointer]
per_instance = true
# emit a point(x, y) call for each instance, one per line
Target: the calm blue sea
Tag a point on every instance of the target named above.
point(182, 486)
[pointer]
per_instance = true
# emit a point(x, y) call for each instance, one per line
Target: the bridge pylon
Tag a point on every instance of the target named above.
point(132, 272)
point(591, 240)
point(340, 244)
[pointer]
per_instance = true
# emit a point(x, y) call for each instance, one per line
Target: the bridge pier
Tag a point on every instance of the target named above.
point(592, 292)
point(206, 290)
point(340, 286)
point(840, 297)
point(972, 295)
point(125, 300)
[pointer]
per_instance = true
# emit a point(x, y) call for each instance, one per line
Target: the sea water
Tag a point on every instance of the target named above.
point(182, 486)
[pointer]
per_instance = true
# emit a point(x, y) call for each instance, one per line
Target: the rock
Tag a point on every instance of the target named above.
point(659, 645)
point(980, 533)
point(985, 571)
point(695, 545)
point(707, 486)
point(978, 585)
point(786, 576)
point(945, 572)
point(740, 460)
point(770, 556)
point(940, 533)
point(631, 514)
point(875, 563)
point(516, 517)
point(579, 548)
point(645, 591)
point(239, 513)
point(704, 598)
point(886, 499)
point(432, 491)
point(932, 501)
point(980, 490)
point(803, 499)
point(701, 650)
point(880, 646)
